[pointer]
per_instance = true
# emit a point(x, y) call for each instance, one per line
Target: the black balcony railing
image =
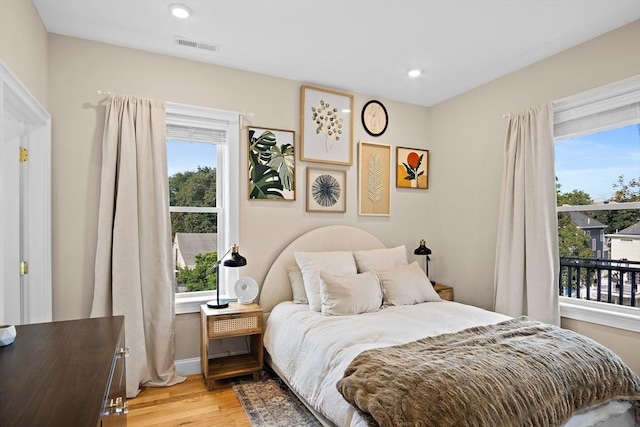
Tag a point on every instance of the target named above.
point(607, 280)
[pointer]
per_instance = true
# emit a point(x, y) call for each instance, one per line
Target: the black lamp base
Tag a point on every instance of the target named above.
point(218, 304)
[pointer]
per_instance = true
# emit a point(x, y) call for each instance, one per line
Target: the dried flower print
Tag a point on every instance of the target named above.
point(327, 122)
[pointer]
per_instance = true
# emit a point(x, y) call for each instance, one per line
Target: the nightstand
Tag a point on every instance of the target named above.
point(238, 320)
point(445, 292)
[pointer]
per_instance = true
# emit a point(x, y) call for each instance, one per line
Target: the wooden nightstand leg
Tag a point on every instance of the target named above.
point(256, 376)
point(214, 384)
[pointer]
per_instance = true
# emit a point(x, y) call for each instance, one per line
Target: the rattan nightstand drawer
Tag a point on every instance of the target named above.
point(235, 324)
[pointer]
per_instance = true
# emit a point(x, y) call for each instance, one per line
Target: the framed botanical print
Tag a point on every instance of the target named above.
point(374, 179)
point(272, 173)
point(412, 168)
point(326, 190)
point(326, 126)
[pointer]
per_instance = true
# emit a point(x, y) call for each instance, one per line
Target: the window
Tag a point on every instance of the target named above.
point(202, 158)
point(597, 146)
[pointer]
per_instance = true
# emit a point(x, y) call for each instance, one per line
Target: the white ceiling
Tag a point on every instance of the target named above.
point(361, 46)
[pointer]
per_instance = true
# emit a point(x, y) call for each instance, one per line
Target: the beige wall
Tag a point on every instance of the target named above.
point(23, 45)
point(625, 343)
point(466, 138)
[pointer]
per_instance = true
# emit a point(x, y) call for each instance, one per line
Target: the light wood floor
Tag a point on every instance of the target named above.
point(187, 404)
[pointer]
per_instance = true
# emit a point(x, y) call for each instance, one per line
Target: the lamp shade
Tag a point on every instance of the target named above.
point(236, 259)
point(422, 249)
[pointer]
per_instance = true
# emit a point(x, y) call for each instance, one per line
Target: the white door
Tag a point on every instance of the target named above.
point(10, 214)
point(25, 205)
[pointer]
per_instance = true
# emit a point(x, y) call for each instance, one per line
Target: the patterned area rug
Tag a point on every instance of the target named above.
point(270, 403)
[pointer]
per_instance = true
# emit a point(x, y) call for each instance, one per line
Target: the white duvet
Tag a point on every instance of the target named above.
point(311, 351)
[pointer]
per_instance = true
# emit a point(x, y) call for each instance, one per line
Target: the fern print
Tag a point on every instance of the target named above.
point(375, 178)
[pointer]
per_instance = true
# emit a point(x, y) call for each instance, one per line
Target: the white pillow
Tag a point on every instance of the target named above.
point(380, 259)
point(340, 263)
point(345, 295)
point(297, 285)
point(406, 285)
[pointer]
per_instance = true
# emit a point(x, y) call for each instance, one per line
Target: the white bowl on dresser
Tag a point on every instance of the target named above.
point(7, 334)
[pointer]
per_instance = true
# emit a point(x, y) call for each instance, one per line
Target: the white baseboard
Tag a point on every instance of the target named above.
point(188, 366)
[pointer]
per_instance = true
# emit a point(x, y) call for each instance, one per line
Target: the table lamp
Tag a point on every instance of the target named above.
point(236, 260)
point(423, 250)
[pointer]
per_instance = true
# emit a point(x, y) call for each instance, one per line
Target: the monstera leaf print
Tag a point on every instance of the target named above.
point(264, 182)
point(282, 160)
point(262, 144)
point(271, 167)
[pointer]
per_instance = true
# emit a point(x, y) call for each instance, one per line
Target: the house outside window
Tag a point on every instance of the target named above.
point(597, 142)
point(202, 160)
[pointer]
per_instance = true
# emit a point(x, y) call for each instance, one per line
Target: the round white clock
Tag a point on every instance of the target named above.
point(246, 290)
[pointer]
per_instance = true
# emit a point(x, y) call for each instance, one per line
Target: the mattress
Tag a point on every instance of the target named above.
point(311, 351)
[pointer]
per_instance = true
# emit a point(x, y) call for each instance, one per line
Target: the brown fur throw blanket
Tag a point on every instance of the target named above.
point(516, 373)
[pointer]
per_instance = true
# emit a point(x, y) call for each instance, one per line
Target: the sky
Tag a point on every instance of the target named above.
point(187, 156)
point(592, 163)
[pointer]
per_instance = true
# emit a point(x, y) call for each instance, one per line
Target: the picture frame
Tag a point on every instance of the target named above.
point(326, 126)
point(412, 168)
point(272, 164)
point(374, 179)
point(326, 190)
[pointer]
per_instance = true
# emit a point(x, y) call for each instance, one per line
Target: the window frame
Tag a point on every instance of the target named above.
point(591, 104)
point(227, 192)
point(601, 313)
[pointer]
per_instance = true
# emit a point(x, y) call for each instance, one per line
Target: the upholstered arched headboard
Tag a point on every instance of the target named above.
point(276, 287)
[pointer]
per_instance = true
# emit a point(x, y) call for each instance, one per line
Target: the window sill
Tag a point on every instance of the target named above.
point(191, 304)
point(615, 316)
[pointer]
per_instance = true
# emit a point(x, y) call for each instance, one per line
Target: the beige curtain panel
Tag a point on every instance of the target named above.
point(527, 264)
point(133, 272)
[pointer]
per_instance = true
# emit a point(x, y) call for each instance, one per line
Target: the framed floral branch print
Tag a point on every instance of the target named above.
point(271, 164)
point(326, 126)
point(412, 168)
point(374, 179)
point(326, 190)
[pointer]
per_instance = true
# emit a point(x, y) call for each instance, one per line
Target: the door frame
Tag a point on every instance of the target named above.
point(16, 101)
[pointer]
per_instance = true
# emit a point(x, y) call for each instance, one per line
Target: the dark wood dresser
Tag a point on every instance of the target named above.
point(69, 373)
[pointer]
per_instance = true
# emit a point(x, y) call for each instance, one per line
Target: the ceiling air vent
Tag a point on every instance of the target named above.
point(191, 43)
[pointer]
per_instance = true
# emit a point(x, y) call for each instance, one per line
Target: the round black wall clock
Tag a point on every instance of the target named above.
point(374, 118)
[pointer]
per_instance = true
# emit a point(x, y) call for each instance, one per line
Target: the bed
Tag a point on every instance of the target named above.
point(323, 358)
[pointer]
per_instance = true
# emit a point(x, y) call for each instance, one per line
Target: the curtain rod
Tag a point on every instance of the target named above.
point(244, 115)
point(108, 92)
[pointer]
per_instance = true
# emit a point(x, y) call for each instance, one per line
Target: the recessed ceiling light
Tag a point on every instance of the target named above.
point(180, 11)
point(415, 72)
